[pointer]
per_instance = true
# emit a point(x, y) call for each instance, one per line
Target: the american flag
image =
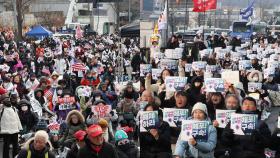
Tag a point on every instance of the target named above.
point(49, 93)
point(78, 67)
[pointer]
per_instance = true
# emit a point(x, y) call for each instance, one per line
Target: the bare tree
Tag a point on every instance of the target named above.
point(51, 19)
point(22, 6)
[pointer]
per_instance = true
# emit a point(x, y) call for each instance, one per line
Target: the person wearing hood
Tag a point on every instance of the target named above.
point(27, 118)
point(75, 121)
point(125, 148)
point(95, 146)
point(80, 143)
point(156, 143)
point(37, 147)
point(195, 91)
point(192, 147)
point(10, 126)
point(248, 145)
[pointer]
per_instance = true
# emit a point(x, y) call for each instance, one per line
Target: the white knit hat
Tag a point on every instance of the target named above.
point(200, 106)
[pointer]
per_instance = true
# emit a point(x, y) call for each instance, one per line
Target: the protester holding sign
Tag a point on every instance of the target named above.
point(101, 110)
point(160, 85)
point(181, 103)
point(156, 142)
point(198, 147)
point(248, 145)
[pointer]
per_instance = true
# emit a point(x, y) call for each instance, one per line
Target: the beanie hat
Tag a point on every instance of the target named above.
point(200, 106)
point(120, 135)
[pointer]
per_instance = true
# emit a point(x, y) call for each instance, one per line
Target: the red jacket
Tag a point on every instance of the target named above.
point(86, 82)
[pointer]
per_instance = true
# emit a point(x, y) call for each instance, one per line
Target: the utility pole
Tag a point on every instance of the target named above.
point(118, 13)
point(129, 7)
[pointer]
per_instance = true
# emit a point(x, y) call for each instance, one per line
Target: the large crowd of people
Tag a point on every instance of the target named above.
point(84, 97)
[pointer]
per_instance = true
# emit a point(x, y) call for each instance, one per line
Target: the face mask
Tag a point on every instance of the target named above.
point(97, 98)
point(59, 92)
point(124, 147)
point(255, 79)
point(24, 108)
point(197, 84)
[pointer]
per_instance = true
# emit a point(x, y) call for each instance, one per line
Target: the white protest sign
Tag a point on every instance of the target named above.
point(214, 85)
point(194, 129)
point(253, 86)
point(188, 67)
point(235, 56)
point(231, 76)
point(211, 68)
point(174, 83)
point(156, 73)
point(197, 65)
point(148, 120)
point(245, 64)
point(268, 72)
point(243, 124)
point(145, 69)
point(273, 64)
point(101, 110)
point(174, 117)
point(223, 117)
point(168, 64)
point(158, 55)
point(175, 54)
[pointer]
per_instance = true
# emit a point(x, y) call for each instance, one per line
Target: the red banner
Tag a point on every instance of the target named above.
point(66, 100)
point(204, 5)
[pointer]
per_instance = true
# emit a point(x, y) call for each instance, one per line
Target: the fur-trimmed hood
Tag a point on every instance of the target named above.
point(75, 112)
point(31, 140)
point(260, 75)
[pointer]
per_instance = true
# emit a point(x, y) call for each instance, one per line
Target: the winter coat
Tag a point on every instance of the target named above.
point(27, 118)
point(107, 151)
point(71, 128)
point(276, 142)
point(201, 149)
point(35, 154)
point(150, 147)
point(195, 92)
point(131, 152)
point(251, 145)
point(73, 153)
point(9, 121)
